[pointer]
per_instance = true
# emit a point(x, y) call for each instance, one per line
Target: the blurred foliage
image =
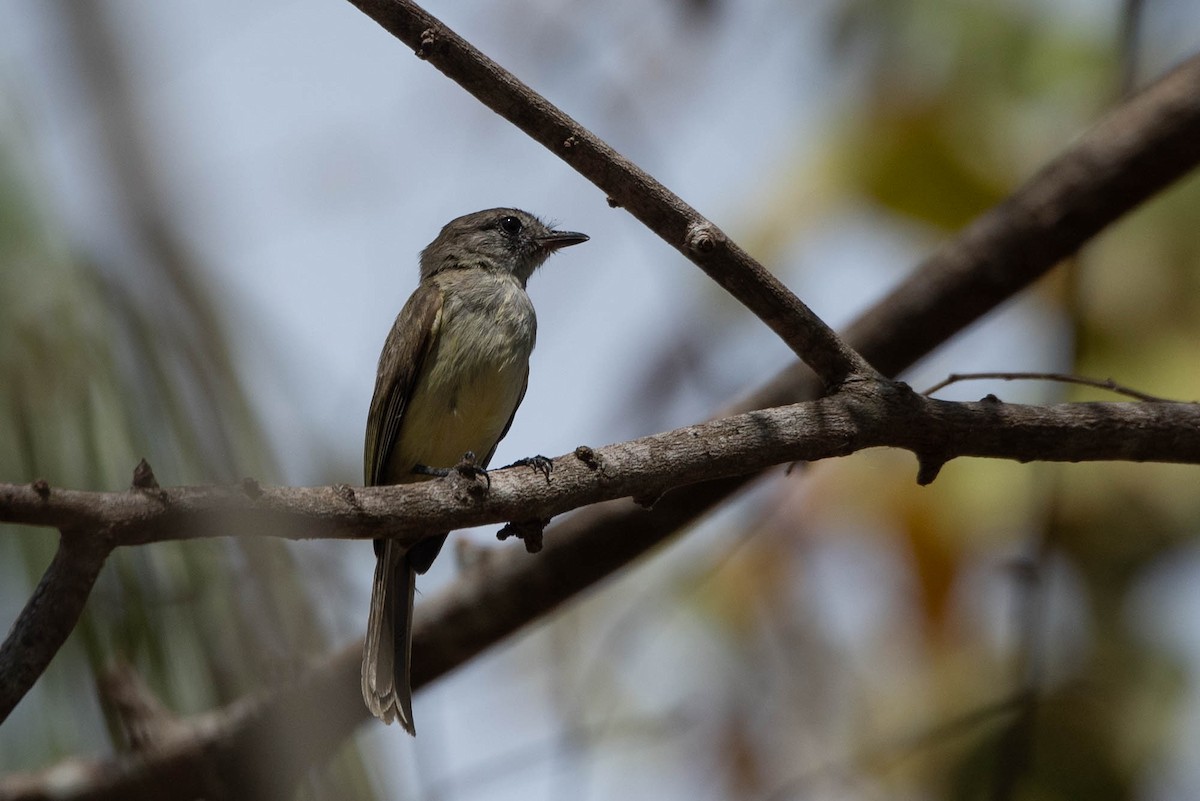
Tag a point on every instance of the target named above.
point(865, 611)
point(964, 100)
point(102, 364)
point(838, 632)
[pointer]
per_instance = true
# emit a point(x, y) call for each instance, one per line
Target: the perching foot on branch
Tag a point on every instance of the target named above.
point(467, 468)
point(539, 463)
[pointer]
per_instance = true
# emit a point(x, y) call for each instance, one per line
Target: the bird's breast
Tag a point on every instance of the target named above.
point(472, 378)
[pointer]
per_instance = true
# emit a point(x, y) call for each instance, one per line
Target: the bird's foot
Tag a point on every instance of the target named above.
point(467, 468)
point(539, 463)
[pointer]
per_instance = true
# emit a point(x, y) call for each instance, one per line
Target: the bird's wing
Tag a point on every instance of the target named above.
point(524, 386)
point(411, 337)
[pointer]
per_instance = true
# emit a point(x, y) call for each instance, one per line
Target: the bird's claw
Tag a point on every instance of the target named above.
point(467, 468)
point(539, 463)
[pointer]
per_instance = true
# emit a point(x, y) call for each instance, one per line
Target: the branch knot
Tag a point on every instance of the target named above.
point(429, 40)
point(703, 237)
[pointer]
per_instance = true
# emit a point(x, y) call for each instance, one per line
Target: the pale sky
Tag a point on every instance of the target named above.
point(312, 156)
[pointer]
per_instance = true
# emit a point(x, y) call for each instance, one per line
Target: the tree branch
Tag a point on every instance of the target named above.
point(1106, 384)
point(864, 415)
point(626, 185)
point(1139, 149)
point(251, 744)
point(51, 614)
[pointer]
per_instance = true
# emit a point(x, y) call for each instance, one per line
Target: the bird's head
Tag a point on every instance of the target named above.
point(510, 240)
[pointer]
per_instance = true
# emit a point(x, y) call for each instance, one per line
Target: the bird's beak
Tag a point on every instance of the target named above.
point(553, 240)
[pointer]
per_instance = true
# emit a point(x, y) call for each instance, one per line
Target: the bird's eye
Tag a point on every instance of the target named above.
point(510, 225)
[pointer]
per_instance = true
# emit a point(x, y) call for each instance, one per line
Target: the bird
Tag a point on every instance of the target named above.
point(453, 371)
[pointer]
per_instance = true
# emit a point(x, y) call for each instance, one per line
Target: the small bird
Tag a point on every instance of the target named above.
point(452, 373)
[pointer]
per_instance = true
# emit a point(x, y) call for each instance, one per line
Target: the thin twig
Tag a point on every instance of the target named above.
point(1137, 150)
point(1143, 146)
point(1106, 383)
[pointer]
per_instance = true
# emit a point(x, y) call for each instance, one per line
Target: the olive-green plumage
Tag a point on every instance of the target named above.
point(451, 375)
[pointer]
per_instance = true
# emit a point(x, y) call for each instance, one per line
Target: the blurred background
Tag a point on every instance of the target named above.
point(210, 214)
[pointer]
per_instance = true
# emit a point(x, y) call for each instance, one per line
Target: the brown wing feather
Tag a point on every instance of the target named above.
point(386, 679)
point(400, 363)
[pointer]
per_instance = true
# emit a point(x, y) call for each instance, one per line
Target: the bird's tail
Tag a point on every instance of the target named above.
point(386, 679)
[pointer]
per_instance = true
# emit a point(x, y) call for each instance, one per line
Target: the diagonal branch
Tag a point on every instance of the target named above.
point(51, 614)
point(1138, 150)
point(626, 185)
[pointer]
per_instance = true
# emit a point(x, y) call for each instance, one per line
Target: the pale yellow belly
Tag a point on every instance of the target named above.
point(447, 418)
point(471, 380)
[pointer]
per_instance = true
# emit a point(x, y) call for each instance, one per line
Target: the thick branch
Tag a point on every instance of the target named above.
point(502, 594)
point(1139, 149)
point(251, 746)
point(865, 415)
point(626, 185)
point(870, 414)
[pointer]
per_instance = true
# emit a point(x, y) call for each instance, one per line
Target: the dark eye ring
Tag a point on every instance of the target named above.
point(510, 225)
